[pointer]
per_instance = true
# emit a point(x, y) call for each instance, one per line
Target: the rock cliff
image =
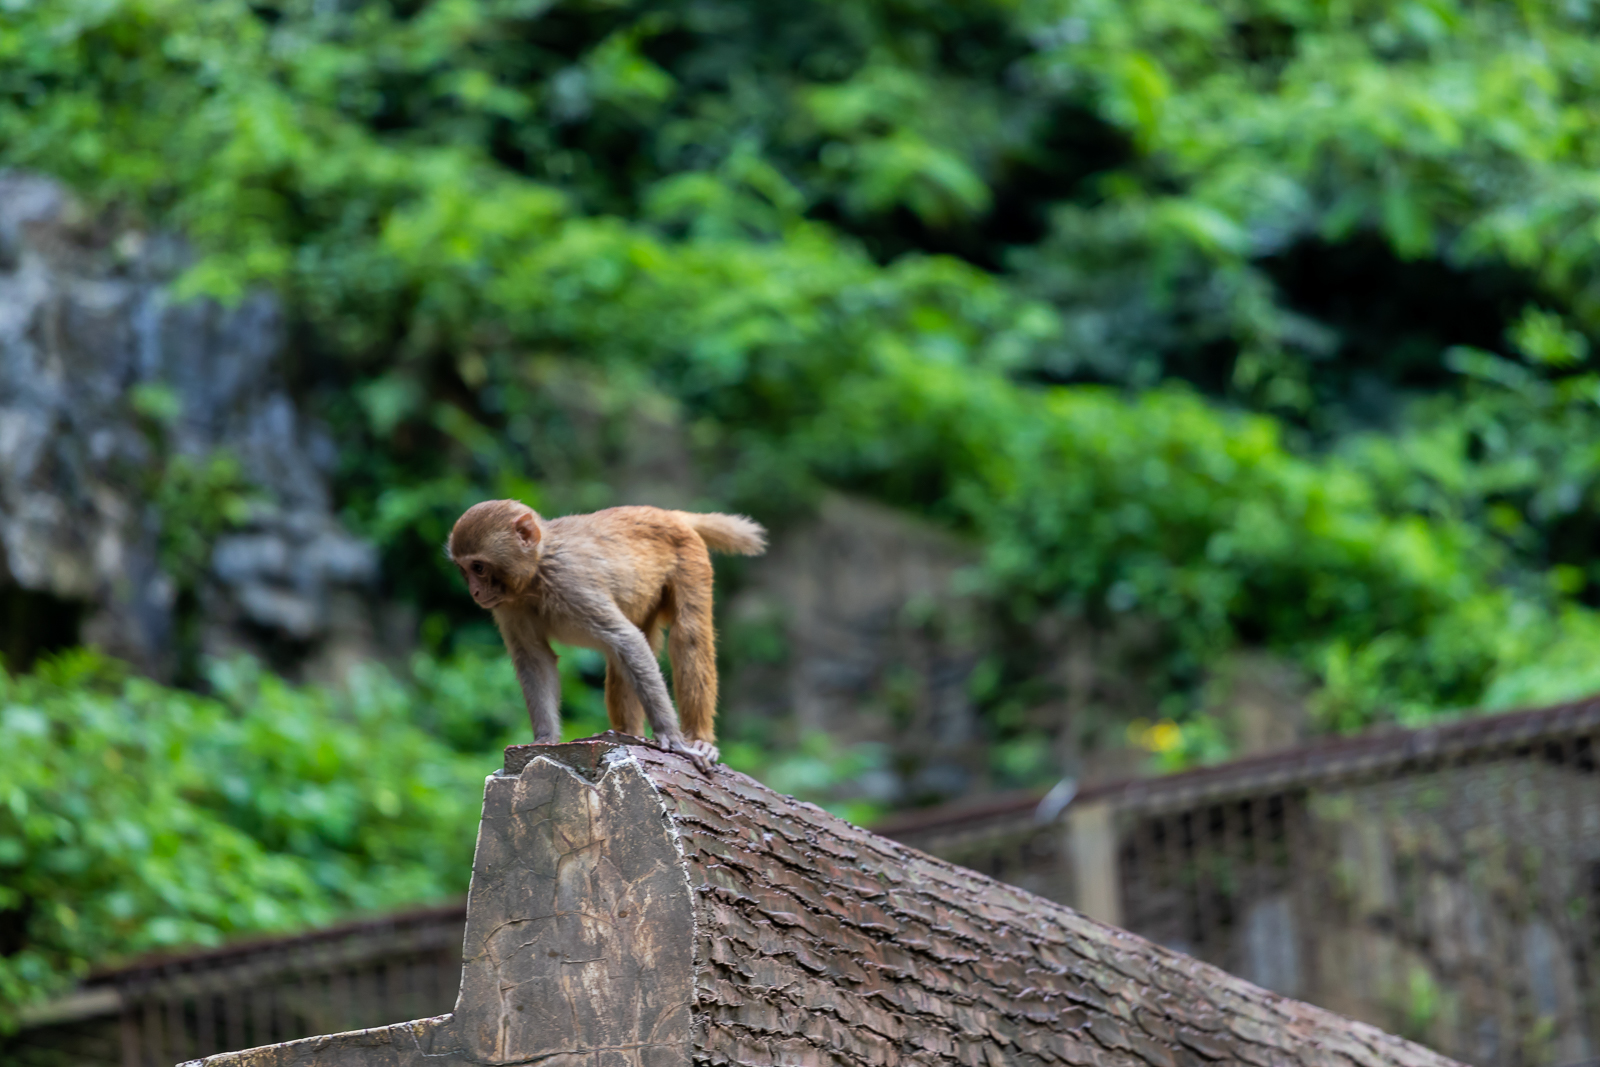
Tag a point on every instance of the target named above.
point(89, 326)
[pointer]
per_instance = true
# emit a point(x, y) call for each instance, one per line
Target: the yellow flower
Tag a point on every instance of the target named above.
point(1162, 737)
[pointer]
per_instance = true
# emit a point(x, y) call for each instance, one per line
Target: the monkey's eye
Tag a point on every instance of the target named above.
point(477, 568)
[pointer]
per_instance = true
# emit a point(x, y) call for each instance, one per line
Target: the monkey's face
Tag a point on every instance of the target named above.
point(495, 546)
point(485, 581)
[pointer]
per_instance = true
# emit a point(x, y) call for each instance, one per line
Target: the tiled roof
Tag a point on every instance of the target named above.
point(627, 909)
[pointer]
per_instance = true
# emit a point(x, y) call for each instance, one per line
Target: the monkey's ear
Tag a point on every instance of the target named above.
point(527, 529)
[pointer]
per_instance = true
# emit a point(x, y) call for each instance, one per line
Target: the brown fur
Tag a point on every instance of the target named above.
point(611, 581)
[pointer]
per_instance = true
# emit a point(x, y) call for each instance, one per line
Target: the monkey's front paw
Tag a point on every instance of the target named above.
point(701, 753)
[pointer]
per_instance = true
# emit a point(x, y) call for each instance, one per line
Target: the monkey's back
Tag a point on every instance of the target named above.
point(633, 553)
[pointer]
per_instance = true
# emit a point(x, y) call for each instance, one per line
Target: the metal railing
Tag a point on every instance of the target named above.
point(1440, 883)
point(161, 1010)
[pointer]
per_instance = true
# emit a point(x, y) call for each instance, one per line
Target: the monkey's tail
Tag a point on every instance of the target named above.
point(728, 533)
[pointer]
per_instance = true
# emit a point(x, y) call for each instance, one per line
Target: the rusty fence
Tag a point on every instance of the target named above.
point(1441, 883)
point(159, 1011)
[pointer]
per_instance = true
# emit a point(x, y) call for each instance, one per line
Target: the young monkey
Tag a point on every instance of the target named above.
point(608, 581)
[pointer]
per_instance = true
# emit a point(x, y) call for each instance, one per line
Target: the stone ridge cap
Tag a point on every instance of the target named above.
point(592, 757)
point(592, 766)
point(583, 755)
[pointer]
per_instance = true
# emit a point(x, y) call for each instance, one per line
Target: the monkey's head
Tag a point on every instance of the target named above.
point(495, 546)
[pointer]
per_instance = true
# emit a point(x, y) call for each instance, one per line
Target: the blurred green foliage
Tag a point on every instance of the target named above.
point(1267, 320)
point(135, 817)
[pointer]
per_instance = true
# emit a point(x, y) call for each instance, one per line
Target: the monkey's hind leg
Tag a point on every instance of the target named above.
point(692, 645)
point(623, 706)
point(622, 703)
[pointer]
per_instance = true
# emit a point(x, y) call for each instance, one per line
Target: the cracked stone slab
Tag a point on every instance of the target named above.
point(629, 911)
point(579, 944)
point(579, 921)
